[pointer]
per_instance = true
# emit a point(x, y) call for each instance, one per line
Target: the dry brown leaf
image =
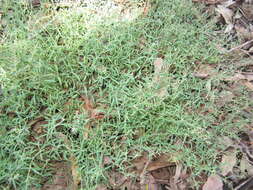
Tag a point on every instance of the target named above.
point(37, 127)
point(236, 77)
point(214, 182)
point(164, 174)
point(226, 13)
point(160, 162)
point(92, 112)
point(228, 162)
point(76, 177)
point(61, 179)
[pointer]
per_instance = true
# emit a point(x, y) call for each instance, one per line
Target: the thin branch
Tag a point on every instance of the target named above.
point(240, 46)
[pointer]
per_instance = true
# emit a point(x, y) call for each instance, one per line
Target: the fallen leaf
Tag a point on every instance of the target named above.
point(213, 182)
point(226, 13)
point(92, 113)
point(37, 128)
point(160, 162)
point(228, 162)
point(61, 179)
point(236, 77)
point(165, 173)
point(76, 177)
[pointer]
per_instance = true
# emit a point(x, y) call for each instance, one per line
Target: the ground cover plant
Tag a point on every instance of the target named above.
point(139, 97)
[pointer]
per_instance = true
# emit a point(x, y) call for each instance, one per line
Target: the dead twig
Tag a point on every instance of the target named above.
point(143, 173)
point(245, 185)
point(240, 46)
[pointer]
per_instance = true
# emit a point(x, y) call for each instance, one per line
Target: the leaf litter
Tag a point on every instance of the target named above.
point(67, 176)
point(235, 163)
point(160, 171)
point(237, 16)
point(150, 173)
point(37, 129)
